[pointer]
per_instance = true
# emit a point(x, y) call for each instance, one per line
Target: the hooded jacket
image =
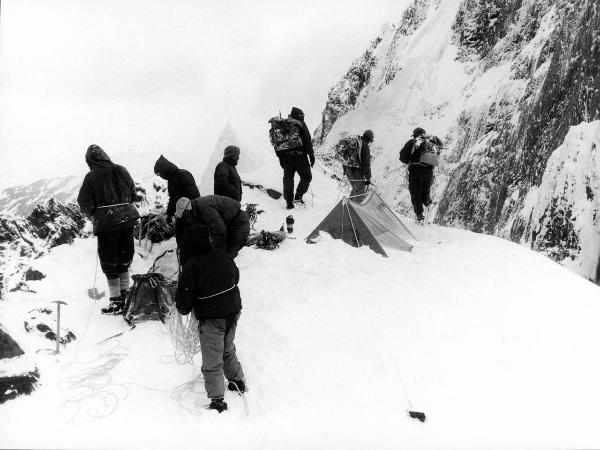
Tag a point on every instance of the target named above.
point(227, 223)
point(181, 183)
point(227, 179)
point(307, 146)
point(208, 284)
point(107, 193)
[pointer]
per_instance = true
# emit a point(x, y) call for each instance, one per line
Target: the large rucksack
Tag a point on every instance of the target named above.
point(285, 134)
point(347, 150)
point(427, 154)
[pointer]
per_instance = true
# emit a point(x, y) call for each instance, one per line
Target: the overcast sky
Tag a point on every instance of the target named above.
point(159, 76)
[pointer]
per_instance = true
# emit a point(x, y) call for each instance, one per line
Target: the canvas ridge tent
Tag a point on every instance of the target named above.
point(371, 223)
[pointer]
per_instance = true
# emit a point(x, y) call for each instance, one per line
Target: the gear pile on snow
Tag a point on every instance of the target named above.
point(268, 240)
point(155, 228)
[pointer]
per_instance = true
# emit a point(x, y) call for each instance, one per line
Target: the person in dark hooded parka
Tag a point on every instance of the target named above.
point(106, 197)
point(208, 285)
point(228, 224)
point(227, 179)
point(295, 160)
point(181, 183)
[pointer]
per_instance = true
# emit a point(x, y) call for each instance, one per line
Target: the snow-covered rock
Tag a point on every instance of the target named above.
point(18, 374)
point(565, 221)
point(24, 239)
point(20, 200)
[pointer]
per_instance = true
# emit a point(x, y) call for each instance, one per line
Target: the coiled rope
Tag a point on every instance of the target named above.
point(184, 335)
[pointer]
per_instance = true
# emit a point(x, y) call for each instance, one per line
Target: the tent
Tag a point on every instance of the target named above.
point(150, 298)
point(17, 375)
point(371, 223)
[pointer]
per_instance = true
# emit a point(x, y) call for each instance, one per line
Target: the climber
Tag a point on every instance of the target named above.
point(295, 160)
point(208, 284)
point(421, 154)
point(227, 180)
point(228, 224)
point(106, 198)
point(358, 169)
point(181, 183)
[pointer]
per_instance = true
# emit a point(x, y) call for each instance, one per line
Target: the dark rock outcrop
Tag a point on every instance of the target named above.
point(15, 380)
point(22, 239)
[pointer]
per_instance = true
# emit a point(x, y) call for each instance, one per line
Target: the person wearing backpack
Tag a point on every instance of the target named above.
point(228, 224)
point(227, 179)
point(208, 285)
point(420, 153)
point(357, 168)
point(298, 159)
point(106, 197)
point(181, 183)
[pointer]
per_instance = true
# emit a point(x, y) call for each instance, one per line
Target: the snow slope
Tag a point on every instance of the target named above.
point(495, 343)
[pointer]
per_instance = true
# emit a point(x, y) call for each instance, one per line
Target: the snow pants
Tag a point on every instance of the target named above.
point(115, 249)
point(356, 177)
point(218, 354)
point(419, 184)
point(290, 165)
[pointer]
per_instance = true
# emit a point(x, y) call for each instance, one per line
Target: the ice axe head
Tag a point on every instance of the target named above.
point(93, 293)
point(417, 415)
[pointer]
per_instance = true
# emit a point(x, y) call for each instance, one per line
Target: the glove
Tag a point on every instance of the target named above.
point(367, 182)
point(311, 157)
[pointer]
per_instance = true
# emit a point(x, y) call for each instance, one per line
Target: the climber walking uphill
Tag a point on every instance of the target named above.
point(293, 146)
point(421, 154)
point(106, 198)
point(181, 183)
point(227, 179)
point(209, 285)
point(228, 224)
point(355, 155)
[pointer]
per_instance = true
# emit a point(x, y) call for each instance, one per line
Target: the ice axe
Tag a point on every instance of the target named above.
point(58, 303)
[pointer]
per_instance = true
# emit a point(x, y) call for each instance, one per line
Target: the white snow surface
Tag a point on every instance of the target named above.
point(494, 342)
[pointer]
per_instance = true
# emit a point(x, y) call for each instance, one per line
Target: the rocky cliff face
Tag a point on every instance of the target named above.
point(24, 239)
point(501, 82)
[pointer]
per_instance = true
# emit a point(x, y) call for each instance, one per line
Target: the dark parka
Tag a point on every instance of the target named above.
point(202, 277)
point(365, 159)
point(181, 183)
point(107, 193)
point(229, 226)
point(227, 179)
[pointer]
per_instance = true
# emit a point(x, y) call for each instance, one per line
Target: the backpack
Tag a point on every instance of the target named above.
point(429, 155)
point(150, 298)
point(347, 150)
point(285, 134)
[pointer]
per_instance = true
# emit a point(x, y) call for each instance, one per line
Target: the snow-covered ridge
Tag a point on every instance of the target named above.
point(501, 83)
point(20, 200)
